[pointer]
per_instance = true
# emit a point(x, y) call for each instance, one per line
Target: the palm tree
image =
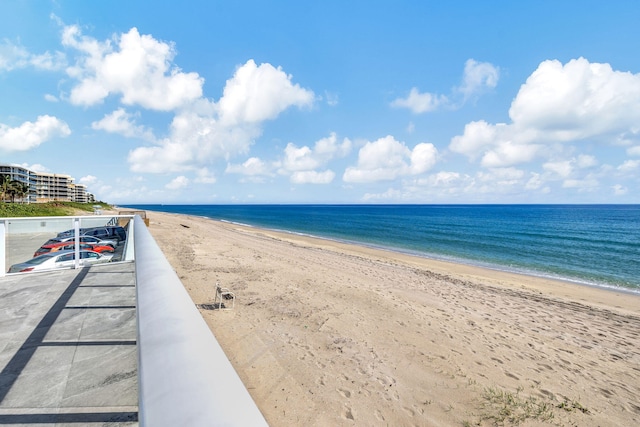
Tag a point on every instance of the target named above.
point(5, 186)
point(21, 190)
point(12, 189)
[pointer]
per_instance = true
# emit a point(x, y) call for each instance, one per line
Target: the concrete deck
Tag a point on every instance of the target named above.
point(68, 347)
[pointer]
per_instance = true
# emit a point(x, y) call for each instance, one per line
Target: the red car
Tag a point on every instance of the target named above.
point(55, 247)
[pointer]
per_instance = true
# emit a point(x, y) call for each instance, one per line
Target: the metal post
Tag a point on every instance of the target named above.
point(76, 246)
point(3, 246)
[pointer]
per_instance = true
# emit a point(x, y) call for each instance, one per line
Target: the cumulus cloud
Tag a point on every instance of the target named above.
point(558, 104)
point(122, 123)
point(300, 163)
point(177, 183)
point(259, 93)
point(13, 57)
point(387, 159)
point(207, 131)
point(629, 166)
point(420, 102)
point(136, 67)
point(312, 177)
point(36, 167)
point(619, 190)
point(88, 180)
point(252, 167)
point(31, 134)
point(478, 77)
point(205, 176)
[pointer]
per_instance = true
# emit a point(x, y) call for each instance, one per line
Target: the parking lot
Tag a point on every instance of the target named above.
point(21, 246)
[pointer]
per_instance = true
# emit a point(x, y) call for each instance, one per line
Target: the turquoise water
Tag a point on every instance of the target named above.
point(589, 244)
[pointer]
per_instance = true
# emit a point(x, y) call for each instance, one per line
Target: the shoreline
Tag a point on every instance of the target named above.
point(435, 257)
point(607, 283)
point(331, 333)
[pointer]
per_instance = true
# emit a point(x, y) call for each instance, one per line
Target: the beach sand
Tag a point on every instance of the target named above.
point(329, 334)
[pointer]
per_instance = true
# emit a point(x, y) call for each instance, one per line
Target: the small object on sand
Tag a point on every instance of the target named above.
point(185, 226)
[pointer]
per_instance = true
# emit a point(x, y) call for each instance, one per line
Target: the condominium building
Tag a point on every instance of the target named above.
point(48, 187)
point(23, 175)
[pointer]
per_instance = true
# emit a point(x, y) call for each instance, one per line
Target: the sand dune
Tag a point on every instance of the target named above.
point(327, 334)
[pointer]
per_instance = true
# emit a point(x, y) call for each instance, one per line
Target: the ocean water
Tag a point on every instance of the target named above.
point(589, 244)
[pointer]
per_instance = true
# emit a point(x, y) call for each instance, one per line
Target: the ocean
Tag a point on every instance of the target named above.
point(597, 245)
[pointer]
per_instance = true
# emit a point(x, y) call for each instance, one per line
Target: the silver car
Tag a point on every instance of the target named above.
point(83, 239)
point(62, 259)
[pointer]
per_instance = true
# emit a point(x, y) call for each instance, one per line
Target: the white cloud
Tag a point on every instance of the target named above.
point(585, 161)
point(207, 131)
point(619, 190)
point(587, 184)
point(205, 176)
point(122, 123)
point(50, 98)
point(478, 76)
point(137, 67)
point(14, 57)
point(387, 159)
point(563, 169)
point(88, 180)
point(300, 163)
point(169, 157)
point(252, 167)
point(558, 104)
point(534, 182)
point(634, 151)
point(331, 98)
point(629, 166)
point(29, 135)
point(578, 100)
point(329, 147)
point(390, 194)
point(259, 93)
point(177, 183)
point(299, 159)
point(420, 102)
point(36, 167)
point(312, 177)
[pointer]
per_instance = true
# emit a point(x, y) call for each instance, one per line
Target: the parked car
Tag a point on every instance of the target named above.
point(83, 239)
point(69, 246)
point(63, 259)
point(110, 232)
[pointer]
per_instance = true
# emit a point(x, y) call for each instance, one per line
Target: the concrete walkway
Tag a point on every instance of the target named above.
point(68, 347)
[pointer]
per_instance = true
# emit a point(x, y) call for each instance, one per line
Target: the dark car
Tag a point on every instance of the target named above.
point(83, 239)
point(108, 232)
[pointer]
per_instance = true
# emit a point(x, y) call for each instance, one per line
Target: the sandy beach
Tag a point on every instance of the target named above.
point(329, 334)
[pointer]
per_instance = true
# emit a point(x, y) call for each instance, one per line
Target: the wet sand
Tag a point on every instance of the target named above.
point(329, 334)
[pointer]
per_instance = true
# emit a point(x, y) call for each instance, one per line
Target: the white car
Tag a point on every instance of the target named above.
point(62, 259)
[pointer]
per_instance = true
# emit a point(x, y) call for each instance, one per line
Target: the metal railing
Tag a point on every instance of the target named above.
point(20, 237)
point(184, 377)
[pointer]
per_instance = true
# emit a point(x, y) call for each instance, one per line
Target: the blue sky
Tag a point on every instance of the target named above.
point(326, 102)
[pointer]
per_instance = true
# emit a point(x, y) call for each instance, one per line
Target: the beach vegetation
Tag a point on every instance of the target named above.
point(572, 405)
point(19, 210)
point(507, 408)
